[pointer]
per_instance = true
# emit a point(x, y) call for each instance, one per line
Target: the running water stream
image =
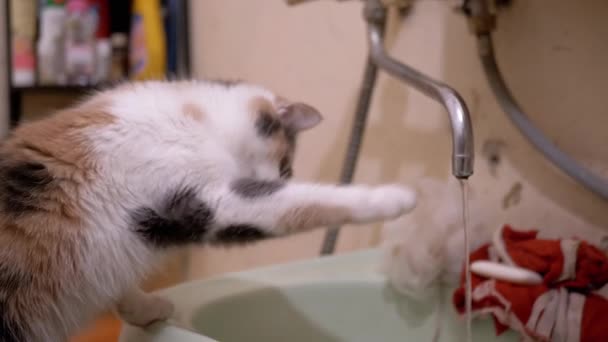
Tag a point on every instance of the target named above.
point(467, 283)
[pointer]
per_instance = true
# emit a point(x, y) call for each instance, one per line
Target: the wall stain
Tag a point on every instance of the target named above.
point(513, 196)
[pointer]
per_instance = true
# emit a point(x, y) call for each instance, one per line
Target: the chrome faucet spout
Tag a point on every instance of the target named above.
point(462, 131)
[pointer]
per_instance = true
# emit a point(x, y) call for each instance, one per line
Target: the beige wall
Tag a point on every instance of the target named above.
point(554, 57)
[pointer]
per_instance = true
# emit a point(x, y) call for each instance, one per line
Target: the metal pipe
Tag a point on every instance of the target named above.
point(354, 145)
point(567, 164)
point(356, 134)
point(462, 131)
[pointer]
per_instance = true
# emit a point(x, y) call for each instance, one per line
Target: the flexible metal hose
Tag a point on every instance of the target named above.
point(354, 144)
point(567, 164)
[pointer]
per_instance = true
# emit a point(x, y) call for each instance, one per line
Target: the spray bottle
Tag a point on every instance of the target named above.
point(147, 55)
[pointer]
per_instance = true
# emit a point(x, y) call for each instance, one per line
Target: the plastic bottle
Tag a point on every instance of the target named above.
point(23, 29)
point(147, 52)
point(120, 56)
point(80, 53)
point(120, 23)
point(51, 42)
point(103, 45)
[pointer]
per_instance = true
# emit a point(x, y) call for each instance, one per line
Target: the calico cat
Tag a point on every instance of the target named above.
point(93, 195)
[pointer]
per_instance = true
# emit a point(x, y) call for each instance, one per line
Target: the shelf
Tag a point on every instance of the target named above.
point(59, 88)
point(17, 94)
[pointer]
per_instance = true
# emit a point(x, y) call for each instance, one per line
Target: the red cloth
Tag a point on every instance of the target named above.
point(512, 305)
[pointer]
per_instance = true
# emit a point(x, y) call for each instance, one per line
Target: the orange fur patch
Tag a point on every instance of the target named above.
point(279, 145)
point(60, 144)
point(40, 245)
point(260, 104)
point(192, 111)
point(61, 139)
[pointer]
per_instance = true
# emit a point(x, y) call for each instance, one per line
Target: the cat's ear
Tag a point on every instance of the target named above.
point(299, 116)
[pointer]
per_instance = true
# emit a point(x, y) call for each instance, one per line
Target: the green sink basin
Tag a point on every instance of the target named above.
point(341, 298)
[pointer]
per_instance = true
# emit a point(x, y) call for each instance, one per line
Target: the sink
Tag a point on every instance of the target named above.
point(329, 299)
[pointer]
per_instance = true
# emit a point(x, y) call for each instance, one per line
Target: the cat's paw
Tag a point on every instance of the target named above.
point(390, 201)
point(152, 310)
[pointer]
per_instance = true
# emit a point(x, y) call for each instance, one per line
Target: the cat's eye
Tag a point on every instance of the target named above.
point(287, 173)
point(285, 170)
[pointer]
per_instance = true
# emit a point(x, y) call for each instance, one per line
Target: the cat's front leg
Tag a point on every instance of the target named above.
point(141, 309)
point(278, 208)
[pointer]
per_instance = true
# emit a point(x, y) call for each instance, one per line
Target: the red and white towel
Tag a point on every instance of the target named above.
point(570, 305)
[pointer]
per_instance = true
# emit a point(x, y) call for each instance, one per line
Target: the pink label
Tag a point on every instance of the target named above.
point(23, 54)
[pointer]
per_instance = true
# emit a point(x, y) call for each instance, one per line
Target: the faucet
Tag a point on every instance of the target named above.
point(462, 132)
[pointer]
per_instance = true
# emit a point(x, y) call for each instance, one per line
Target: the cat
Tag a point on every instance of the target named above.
point(94, 195)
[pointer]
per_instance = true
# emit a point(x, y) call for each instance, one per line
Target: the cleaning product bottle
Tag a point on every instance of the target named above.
point(51, 42)
point(120, 24)
point(23, 30)
point(80, 42)
point(120, 56)
point(147, 53)
point(103, 45)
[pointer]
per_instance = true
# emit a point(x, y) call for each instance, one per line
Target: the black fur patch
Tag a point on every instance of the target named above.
point(21, 184)
point(239, 234)
point(252, 188)
point(267, 125)
point(9, 330)
point(181, 219)
point(285, 169)
point(10, 281)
